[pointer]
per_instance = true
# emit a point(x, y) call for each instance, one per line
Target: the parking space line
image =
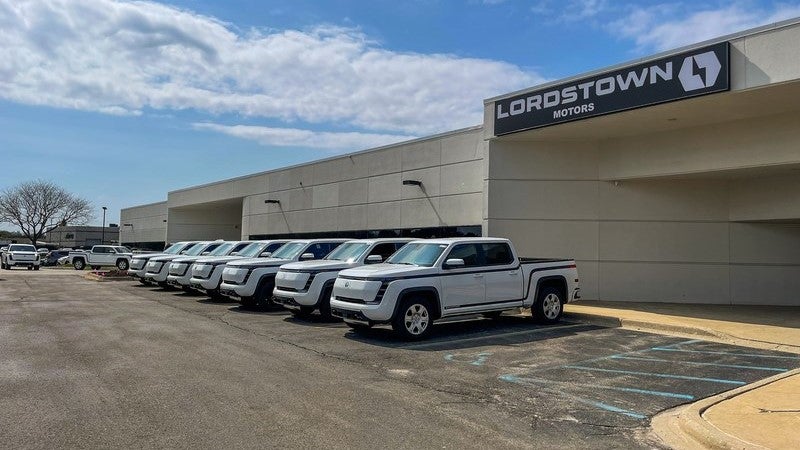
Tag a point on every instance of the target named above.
point(494, 336)
point(708, 352)
point(693, 363)
point(659, 375)
point(601, 386)
point(596, 404)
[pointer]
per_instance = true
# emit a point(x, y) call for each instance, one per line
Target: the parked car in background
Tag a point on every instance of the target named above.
point(440, 278)
point(180, 269)
point(24, 255)
point(207, 272)
point(139, 261)
point(250, 281)
point(53, 256)
point(102, 256)
point(157, 268)
point(305, 286)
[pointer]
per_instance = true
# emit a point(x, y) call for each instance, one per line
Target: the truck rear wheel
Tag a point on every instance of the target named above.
point(79, 264)
point(549, 305)
point(413, 319)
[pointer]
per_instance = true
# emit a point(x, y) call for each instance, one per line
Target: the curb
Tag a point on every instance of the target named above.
point(690, 421)
point(644, 325)
point(686, 330)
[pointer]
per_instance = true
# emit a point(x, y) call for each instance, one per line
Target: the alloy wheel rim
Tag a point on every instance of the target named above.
point(551, 306)
point(416, 319)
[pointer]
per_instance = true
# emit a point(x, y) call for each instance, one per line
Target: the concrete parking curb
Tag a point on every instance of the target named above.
point(674, 426)
point(645, 325)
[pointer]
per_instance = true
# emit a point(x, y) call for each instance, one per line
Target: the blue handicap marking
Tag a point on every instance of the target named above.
point(473, 359)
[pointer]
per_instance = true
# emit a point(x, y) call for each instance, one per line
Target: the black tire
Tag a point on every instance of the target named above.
point(248, 303)
point(35, 267)
point(30, 267)
point(79, 264)
point(263, 295)
point(95, 267)
point(164, 285)
point(122, 264)
point(414, 319)
point(492, 314)
point(358, 327)
point(303, 313)
point(325, 303)
point(549, 305)
point(145, 283)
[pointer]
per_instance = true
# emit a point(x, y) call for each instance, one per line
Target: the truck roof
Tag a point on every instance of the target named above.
point(448, 241)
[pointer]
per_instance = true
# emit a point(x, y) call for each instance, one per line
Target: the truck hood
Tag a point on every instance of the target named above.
point(186, 259)
point(259, 262)
point(313, 266)
point(165, 258)
point(387, 271)
point(147, 256)
point(217, 259)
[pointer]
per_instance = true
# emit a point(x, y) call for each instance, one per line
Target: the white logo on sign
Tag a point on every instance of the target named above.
point(699, 71)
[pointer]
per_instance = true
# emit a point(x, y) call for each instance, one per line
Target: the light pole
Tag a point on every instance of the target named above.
point(103, 232)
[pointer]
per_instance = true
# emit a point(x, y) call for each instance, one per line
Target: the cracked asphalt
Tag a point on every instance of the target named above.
point(86, 364)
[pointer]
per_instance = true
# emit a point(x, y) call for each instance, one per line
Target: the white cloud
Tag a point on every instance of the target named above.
point(125, 57)
point(658, 28)
point(293, 137)
point(576, 10)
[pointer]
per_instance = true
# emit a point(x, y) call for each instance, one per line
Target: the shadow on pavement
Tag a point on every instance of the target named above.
point(506, 330)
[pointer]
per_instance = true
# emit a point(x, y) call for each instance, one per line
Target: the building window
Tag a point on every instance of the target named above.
point(69, 236)
point(417, 233)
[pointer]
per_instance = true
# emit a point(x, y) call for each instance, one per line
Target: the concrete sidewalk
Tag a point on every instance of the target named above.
point(761, 415)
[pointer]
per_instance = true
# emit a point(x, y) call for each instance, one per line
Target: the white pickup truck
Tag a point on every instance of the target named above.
point(157, 268)
point(102, 256)
point(207, 272)
point(440, 278)
point(139, 261)
point(180, 269)
point(20, 255)
point(304, 286)
point(251, 281)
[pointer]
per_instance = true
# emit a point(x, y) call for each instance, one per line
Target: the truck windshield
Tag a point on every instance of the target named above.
point(173, 249)
point(196, 249)
point(290, 250)
point(417, 254)
point(348, 252)
point(122, 249)
point(252, 250)
point(21, 248)
point(223, 249)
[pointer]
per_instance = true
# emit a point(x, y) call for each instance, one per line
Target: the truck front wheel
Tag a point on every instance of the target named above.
point(78, 264)
point(549, 305)
point(413, 319)
point(122, 264)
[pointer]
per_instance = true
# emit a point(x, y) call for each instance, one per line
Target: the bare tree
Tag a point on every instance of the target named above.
point(37, 207)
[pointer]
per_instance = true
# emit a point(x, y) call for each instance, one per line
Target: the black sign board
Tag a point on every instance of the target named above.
point(690, 74)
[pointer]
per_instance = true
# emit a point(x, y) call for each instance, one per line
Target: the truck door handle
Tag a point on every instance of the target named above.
point(477, 275)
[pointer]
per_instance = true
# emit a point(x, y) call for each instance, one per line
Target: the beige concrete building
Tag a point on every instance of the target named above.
point(680, 184)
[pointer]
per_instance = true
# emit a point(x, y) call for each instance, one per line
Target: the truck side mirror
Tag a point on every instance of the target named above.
point(265, 254)
point(306, 256)
point(454, 263)
point(374, 259)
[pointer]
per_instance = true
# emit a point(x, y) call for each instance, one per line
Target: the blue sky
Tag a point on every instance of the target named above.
point(121, 102)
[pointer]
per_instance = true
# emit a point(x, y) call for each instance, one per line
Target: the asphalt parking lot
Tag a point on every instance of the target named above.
point(88, 364)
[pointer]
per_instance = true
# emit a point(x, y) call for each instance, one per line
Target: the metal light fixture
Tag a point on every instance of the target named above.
point(103, 231)
point(412, 183)
point(278, 202)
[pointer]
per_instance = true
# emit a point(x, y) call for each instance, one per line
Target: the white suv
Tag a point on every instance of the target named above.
point(20, 255)
point(251, 281)
point(302, 287)
point(207, 272)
